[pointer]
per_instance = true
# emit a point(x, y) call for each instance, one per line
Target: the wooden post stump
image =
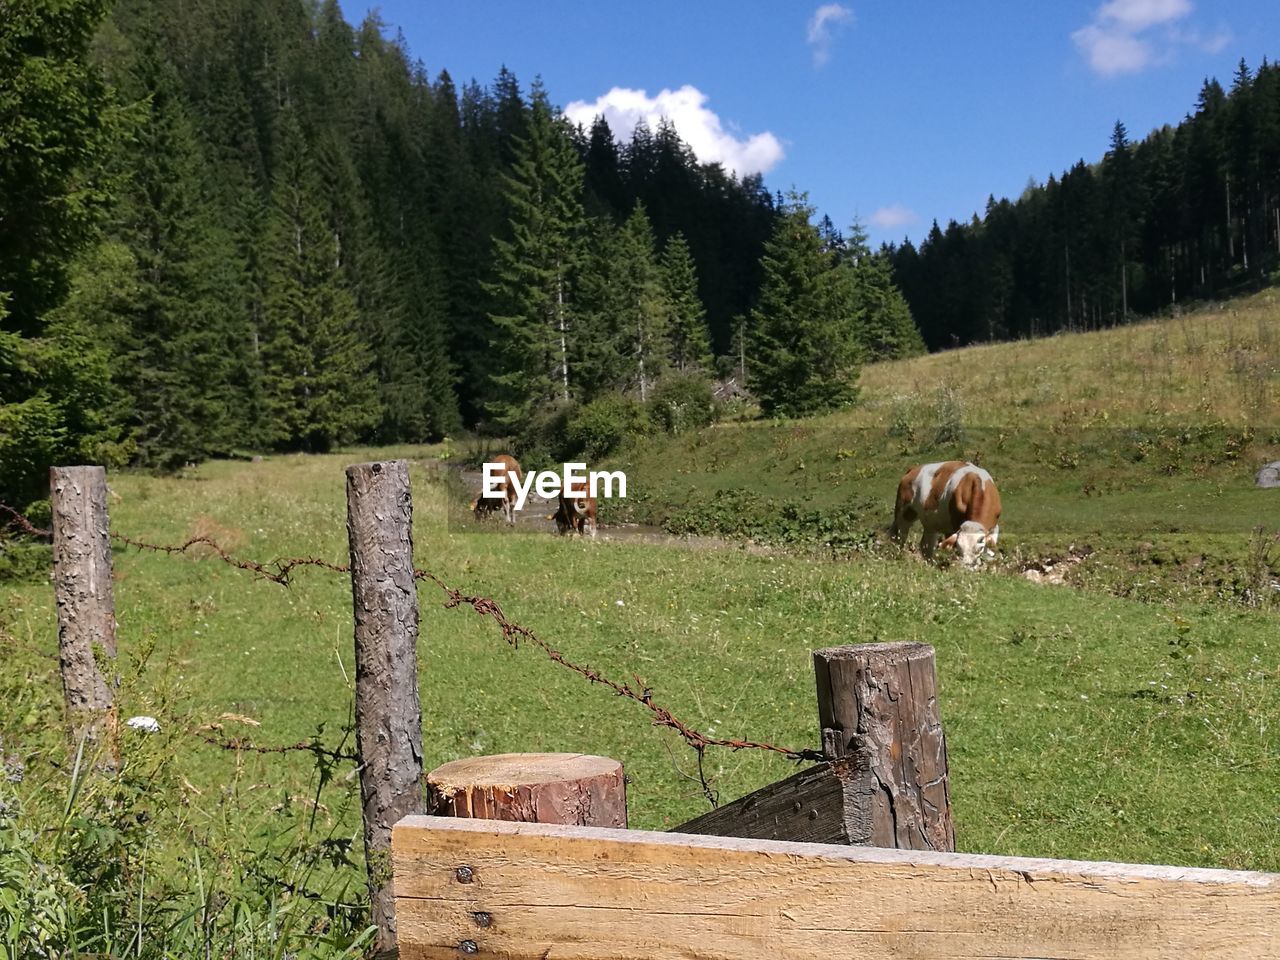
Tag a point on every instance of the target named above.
point(86, 608)
point(388, 712)
point(878, 704)
point(566, 788)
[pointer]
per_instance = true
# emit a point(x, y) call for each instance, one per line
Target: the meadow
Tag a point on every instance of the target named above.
point(1130, 714)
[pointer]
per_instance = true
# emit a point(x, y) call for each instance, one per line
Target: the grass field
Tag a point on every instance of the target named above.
point(1132, 717)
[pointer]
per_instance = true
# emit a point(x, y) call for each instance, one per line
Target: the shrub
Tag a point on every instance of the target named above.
point(602, 426)
point(682, 402)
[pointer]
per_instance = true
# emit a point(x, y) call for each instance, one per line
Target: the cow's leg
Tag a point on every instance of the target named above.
point(929, 543)
point(509, 510)
point(904, 519)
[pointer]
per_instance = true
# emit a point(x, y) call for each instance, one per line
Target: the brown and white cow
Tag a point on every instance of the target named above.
point(956, 503)
point(509, 476)
point(577, 510)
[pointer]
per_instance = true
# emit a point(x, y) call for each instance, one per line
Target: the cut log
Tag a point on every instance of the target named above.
point(878, 704)
point(566, 788)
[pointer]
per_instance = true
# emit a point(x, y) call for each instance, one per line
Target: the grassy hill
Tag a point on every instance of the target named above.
point(1132, 719)
point(1141, 442)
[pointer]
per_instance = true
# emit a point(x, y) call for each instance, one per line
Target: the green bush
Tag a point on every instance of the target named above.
point(597, 429)
point(682, 402)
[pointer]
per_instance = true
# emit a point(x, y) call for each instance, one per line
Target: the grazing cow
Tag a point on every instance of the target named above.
point(577, 510)
point(956, 503)
point(506, 486)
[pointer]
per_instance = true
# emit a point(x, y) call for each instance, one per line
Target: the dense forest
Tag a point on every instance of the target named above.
point(246, 224)
point(1190, 212)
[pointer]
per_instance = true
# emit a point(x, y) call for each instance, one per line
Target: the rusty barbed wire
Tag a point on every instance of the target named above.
point(279, 571)
point(313, 747)
point(22, 524)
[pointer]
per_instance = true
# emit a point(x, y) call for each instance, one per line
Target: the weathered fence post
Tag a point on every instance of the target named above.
point(86, 609)
point(566, 788)
point(878, 704)
point(388, 712)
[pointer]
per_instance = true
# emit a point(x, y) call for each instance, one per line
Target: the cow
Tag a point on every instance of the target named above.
point(577, 510)
point(506, 486)
point(956, 503)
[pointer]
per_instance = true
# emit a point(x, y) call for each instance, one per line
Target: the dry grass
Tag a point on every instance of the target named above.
point(1218, 363)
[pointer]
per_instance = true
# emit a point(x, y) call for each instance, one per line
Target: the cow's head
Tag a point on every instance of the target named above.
point(971, 542)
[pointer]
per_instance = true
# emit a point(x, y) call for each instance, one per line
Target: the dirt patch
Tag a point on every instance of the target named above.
point(1054, 570)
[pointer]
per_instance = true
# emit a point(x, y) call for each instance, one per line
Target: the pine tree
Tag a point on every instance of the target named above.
point(643, 314)
point(886, 328)
point(690, 341)
point(805, 350)
point(535, 268)
point(317, 379)
point(59, 122)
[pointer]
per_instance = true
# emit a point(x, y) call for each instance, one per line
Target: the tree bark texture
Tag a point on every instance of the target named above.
point(388, 712)
point(85, 606)
point(878, 703)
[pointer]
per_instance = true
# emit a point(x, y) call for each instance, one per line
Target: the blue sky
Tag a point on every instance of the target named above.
point(896, 113)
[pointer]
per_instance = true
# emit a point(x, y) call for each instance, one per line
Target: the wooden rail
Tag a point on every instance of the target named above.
point(527, 890)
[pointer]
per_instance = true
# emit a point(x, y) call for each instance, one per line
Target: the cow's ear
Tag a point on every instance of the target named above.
point(950, 542)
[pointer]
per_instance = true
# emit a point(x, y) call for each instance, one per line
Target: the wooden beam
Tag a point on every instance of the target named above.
point(813, 806)
point(521, 891)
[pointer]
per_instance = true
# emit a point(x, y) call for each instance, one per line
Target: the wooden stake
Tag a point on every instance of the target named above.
point(566, 788)
point(878, 703)
point(388, 713)
point(86, 609)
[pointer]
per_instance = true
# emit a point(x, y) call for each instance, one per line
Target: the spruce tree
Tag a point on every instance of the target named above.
point(535, 269)
point(886, 328)
point(805, 342)
point(687, 334)
point(317, 372)
point(643, 312)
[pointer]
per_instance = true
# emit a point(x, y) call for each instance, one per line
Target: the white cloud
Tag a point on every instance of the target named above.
point(1127, 36)
point(698, 126)
point(823, 26)
point(1137, 15)
point(893, 216)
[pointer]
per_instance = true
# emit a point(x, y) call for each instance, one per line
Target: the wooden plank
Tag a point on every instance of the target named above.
point(524, 890)
point(810, 807)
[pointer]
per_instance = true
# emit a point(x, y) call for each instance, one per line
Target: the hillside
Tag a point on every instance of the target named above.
point(1141, 442)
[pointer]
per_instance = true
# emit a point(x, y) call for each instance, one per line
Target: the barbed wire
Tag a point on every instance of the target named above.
point(22, 524)
point(279, 571)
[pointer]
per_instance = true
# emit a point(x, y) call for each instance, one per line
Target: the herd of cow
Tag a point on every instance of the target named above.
point(956, 503)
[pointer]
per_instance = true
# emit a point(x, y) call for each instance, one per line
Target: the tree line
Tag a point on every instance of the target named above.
point(1190, 212)
point(256, 226)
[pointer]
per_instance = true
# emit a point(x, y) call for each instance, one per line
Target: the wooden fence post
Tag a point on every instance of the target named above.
point(388, 712)
point(86, 609)
point(567, 788)
point(878, 703)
